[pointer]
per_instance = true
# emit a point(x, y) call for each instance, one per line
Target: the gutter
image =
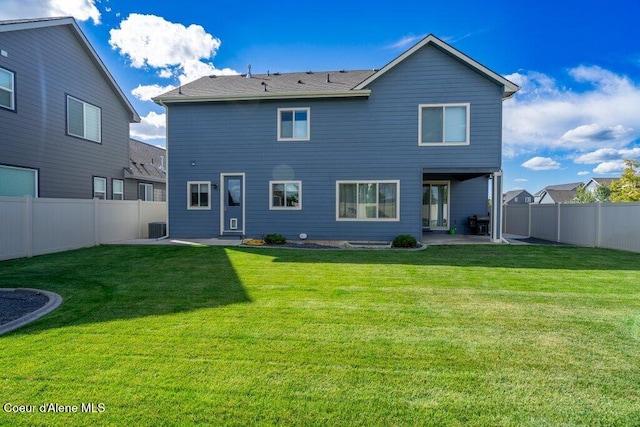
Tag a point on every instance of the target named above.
point(163, 100)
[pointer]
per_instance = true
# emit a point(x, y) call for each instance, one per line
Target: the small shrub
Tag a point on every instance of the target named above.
point(275, 239)
point(404, 241)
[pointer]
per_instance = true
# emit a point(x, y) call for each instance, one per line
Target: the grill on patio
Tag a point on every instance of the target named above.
point(479, 224)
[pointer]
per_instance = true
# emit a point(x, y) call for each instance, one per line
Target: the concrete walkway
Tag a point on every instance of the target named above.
point(427, 238)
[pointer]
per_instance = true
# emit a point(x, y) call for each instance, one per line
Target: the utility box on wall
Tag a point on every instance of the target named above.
point(157, 230)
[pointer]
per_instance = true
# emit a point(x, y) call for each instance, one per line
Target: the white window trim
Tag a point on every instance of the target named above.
point(281, 110)
point(396, 219)
point(198, 208)
point(84, 119)
point(113, 189)
point(467, 105)
point(285, 208)
point(12, 92)
point(105, 187)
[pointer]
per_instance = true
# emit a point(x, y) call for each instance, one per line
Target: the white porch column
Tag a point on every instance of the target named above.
point(496, 207)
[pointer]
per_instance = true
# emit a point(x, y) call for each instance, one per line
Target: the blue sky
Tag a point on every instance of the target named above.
point(578, 63)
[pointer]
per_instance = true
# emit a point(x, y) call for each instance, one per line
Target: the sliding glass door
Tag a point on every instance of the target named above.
point(435, 205)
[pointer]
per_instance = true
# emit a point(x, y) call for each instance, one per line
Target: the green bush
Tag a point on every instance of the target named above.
point(404, 241)
point(275, 239)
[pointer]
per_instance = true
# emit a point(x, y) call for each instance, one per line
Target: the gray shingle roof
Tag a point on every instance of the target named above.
point(146, 162)
point(271, 84)
point(561, 196)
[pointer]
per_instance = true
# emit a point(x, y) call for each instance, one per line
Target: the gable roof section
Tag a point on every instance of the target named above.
point(561, 196)
point(509, 88)
point(510, 195)
point(29, 24)
point(323, 84)
point(601, 181)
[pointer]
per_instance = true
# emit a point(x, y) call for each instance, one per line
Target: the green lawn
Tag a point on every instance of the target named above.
point(452, 335)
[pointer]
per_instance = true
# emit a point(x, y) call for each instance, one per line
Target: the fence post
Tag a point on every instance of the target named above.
point(598, 224)
point(529, 221)
point(28, 225)
point(558, 213)
point(96, 221)
point(139, 219)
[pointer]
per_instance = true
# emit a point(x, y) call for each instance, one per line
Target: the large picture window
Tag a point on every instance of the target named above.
point(368, 200)
point(83, 120)
point(198, 195)
point(7, 89)
point(286, 195)
point(294, 124)
point(446, 124)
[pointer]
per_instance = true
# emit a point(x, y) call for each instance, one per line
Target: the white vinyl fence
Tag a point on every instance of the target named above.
point(35, 226)
point(600, 225)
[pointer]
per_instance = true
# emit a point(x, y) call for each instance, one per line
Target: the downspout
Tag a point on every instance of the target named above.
point(166, 185)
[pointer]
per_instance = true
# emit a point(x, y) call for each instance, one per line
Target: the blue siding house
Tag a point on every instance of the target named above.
point(349, 155)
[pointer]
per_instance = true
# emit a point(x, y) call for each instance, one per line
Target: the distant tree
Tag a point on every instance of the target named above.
point(627, 188)
point(602, 193)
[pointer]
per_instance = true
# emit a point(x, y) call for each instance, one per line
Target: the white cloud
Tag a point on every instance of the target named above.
point(545, 115)
point(407, 41)
point(150, 41)
point(608, 154)
point(610, 167)
point(595, 132)
point(145, 93)
point(192, 70)
point(583, 173)
point(521, 180)
point(541, 164)
point(82, 10)
point(151, 126)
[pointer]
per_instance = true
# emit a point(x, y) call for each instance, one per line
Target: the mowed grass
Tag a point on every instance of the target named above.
point(452, 335)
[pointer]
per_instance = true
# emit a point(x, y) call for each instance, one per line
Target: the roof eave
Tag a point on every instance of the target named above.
point(266, 96)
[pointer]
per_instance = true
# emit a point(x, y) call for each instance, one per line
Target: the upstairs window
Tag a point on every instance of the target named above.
point(7, 89)
point(444, 124)
point(83, 120)
point(293, 124)
point(285, 195)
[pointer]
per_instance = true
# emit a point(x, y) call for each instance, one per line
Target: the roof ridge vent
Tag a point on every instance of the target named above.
point(249, 75)
point(309, 72)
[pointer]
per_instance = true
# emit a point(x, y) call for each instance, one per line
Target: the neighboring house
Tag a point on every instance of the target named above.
point(517, 197)
point(559, 193)
point(64, 122)
point(363, 155)
point(594, 183)
point(146, 176)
